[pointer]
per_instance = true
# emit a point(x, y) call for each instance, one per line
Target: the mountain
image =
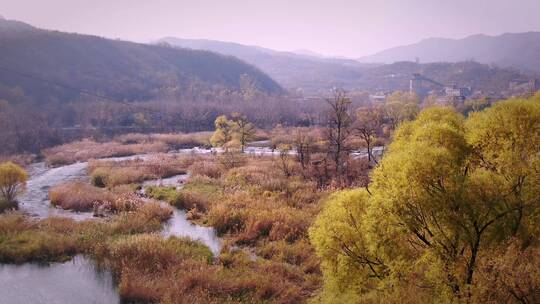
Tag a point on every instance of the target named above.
point(43, 65)
point(520, 50)
point(315, 74)
point(291, 70)
point(307, 52)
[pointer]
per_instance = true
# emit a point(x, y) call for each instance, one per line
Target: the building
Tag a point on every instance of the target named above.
point(523, 86)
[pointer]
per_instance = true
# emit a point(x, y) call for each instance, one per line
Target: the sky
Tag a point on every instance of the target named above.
point(335, 28)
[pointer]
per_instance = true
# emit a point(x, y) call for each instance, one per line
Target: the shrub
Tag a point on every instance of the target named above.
point(99, 177)
point(12, 181)
point(6, 205)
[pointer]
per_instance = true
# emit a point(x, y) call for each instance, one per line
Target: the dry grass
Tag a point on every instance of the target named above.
point(22, 160)
point(254, 205)
point(114, 173)
point(23, 239)
point(197, 196)
point(251, 203)
point(174, 270)
point(79, 196)
point(173, 140)
point(87, 149)
point(206, 168)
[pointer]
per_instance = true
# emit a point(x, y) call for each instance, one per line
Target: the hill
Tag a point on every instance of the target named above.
point(315, 74)
point(479, 77)
point(118, 69)
point(519, 50)
point(291, 70)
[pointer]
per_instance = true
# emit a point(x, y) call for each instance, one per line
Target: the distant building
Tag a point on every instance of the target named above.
point(378, 97)
point(523, 86)
point(456, 93)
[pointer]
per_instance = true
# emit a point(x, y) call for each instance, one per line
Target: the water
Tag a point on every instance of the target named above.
point(179, 225)
point(173, 181)
point(35, 201)
point(79, 281)
point(76, 281)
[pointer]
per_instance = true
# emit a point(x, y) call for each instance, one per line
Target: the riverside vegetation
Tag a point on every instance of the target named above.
point(448, 214)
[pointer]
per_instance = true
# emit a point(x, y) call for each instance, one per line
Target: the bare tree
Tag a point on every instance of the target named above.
point(303, 145)
point(368, 124)
point(338, 129)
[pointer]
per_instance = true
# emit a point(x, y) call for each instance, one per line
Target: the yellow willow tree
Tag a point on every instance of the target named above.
point(447, 193)
point(12, 181)
point(401, 106)
point(224, 132)
point(243, 129)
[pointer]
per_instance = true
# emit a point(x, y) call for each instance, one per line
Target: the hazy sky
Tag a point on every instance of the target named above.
point(339, 27)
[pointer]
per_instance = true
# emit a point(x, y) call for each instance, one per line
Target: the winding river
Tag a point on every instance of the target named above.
point(79, 280)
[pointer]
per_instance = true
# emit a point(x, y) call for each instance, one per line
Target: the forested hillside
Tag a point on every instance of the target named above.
point(43, 65)
point(314, 74)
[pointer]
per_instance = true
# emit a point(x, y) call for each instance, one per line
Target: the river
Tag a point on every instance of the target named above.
point(79, 280)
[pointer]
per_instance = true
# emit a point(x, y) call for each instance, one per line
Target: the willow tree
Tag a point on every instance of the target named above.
point(224, 131)
point(12, 181)
point(448, 191)
point(243, 129)
point(400, 107)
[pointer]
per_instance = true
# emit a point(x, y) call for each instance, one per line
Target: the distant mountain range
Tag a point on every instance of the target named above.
point(41, 65)
point(44, 65)
point(520, 51)
point(291, 70)
point(314, 74)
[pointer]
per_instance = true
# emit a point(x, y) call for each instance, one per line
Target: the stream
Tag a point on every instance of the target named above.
point(79, 280)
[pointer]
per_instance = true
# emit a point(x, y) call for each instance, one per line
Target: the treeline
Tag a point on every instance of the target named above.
point(30, 127)
point(27, 126)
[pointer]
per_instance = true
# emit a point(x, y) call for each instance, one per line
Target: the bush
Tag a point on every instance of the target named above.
point(6, 206)
point(99, 178)
point(12, 181)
